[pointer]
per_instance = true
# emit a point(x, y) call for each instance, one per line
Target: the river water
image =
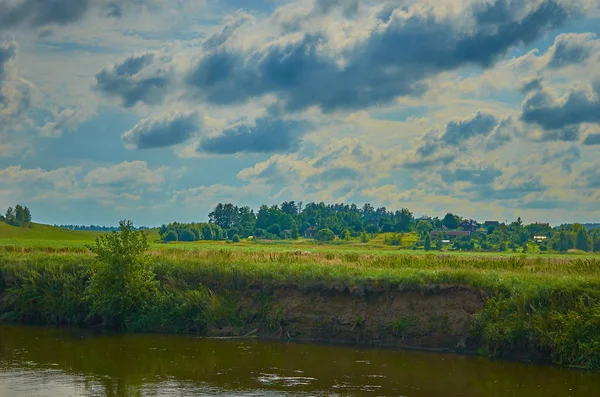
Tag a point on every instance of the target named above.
point(50, 362)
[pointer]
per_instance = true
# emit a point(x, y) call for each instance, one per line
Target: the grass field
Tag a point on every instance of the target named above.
point(548, 303)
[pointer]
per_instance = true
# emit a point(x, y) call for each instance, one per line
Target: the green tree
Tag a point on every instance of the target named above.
point(450, 221)
point(525, 246)
point(582, 238)
point(364, 237)
point(294, 231)
point(439, 243)
point(428, 243)
point(171, 236)
point(325, 235)
point(122, 282)
point(347, 235)
point(424, 227)
point(236, 238)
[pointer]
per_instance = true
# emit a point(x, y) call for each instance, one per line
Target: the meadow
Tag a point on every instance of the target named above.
point(535, 305)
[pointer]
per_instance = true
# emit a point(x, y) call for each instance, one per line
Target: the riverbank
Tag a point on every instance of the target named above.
point(520, 307)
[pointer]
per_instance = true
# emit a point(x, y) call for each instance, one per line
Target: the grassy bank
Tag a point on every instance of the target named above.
point(531, 306)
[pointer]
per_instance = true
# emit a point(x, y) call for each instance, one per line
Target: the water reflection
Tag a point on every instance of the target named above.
point(51, 362)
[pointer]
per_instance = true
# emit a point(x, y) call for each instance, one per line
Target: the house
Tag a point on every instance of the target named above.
point(310, 232)
point(469, 225)
point(539, 239)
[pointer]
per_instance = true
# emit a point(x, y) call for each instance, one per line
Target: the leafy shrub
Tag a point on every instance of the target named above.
point(325, 235)
point(236, 238)
point(122, 281)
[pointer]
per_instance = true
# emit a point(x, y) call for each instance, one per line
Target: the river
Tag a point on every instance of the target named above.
point(49, 362)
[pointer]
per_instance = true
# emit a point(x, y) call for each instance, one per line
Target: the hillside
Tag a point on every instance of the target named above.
point(43, 235)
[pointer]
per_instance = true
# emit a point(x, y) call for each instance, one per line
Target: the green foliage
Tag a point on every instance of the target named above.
point(324, 235)
point(294, 231)
point(364, 237)
point(122, 281)
point(394, 239)
point(582, 238)
point(450, 221)
point(19, 216)
point(171, 235)
point(347, 235)
point(235, 238)
point(427, 245)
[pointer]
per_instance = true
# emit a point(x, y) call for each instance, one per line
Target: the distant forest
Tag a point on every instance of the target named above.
point(96, 228)
point(292, 220)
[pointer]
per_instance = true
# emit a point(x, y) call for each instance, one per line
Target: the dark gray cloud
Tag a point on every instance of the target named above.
point(8, 51)
point(392, 62)
point(42, 13)
point(238, 20)
point(334, 174)
point(533, 84)
point(590, 178)
point(592, 139)
point(569, 49)
point(577, 107)
point(423, 163)
point(136, 79)
point(169, 131)
point(513, 190)
point(458, 131)
point(484, 175)
point(503, 133)
point(266, 135)
point(566, 157)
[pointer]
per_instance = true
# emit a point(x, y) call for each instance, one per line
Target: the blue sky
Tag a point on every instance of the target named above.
point(156, 110)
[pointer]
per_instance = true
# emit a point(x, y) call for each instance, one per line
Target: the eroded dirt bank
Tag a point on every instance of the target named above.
point(436, 317)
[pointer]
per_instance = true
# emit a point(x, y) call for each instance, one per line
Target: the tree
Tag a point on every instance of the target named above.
point(325, 235)
point(294, 231)
point(525, 246)
point(450, 221)
point(171, 236)
point(428, 243)
point(596, 240)
point(439, 243)
point(582, 239)
point(347, 235)
point(424, 227)
point(235, 238)
point(364, 237)
point(185, 235)
point(122, 281)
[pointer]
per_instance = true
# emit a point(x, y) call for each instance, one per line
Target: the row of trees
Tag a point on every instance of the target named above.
point(17, 216)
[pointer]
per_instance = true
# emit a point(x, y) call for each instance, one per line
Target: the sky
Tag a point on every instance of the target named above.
point(157, 110)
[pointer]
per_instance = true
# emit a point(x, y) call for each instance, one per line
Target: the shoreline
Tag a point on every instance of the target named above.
point(524, 310)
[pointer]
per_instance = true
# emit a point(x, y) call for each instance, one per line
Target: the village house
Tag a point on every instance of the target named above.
point(469, 225)
point(310, 232)
point(450, 233)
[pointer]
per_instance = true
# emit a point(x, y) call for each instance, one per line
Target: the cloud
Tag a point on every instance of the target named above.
point(141, 78)
point(172, 129)
point(509, 189)
point(335, 174)
point(8, 52)
point(65, 120)
point(551, 113)
point(127, 173)
point(265, 135)
point(531, 84)
point(478, 175)
point(437, 147)
point(42, 13)
point(458, 131)
point(566, 157)
point(232, 25)
point(379, 61)
point(592, 139)
point(570, 49)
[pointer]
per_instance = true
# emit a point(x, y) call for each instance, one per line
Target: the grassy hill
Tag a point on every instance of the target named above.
point(44, 235)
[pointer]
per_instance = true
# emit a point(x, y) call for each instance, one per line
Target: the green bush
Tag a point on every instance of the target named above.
point(325, 235)
point(236, 238)
point(122, 281)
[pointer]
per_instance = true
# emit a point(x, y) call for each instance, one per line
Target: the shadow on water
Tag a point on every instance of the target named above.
point(56, 362)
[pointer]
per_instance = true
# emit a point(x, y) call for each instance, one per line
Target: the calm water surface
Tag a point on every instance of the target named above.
point(50, 362)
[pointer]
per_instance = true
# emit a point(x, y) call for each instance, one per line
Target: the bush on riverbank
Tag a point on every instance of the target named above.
point(547, 307)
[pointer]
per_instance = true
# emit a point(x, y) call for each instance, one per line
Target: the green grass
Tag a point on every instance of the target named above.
point(538, 304)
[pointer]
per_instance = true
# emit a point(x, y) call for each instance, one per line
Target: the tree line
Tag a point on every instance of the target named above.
point(18, 216)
